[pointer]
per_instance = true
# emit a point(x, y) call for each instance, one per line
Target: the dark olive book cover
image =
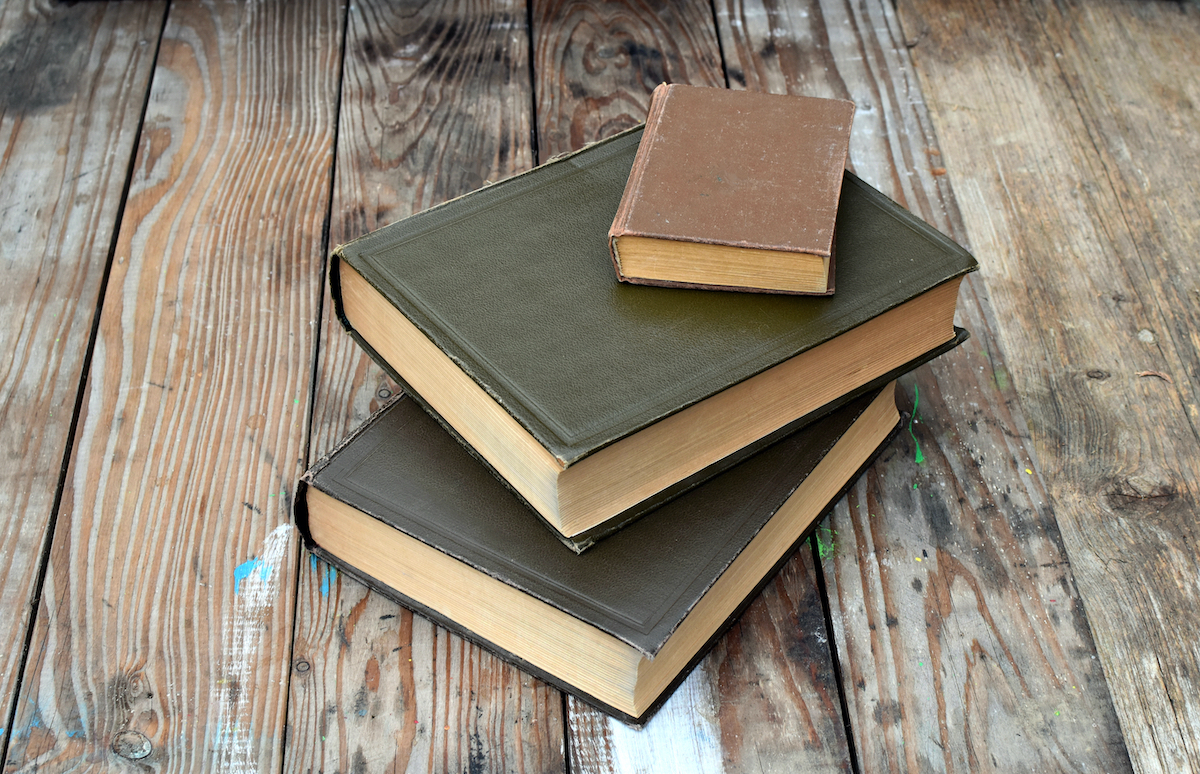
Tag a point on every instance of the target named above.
point(511, 288)
point(720, 168)
point(401, 470)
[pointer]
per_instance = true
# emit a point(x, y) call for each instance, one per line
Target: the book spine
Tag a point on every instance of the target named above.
point(335, 291)
point(620, 226)
point(299, 498)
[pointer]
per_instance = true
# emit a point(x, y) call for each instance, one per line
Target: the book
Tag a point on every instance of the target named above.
point(734, 190)
point(596, 400)
point(405, 508)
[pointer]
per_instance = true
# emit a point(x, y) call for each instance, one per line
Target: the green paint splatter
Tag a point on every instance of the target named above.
point(916, 402)
point(825, 544)
point(1000, 377)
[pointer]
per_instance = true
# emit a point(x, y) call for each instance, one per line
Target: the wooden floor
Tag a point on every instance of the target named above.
point(1014, 586)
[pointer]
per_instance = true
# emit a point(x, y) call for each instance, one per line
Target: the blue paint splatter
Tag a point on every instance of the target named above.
point(222, 736)
point(243, 570)
point(34, 722)
point(330, 575)
point(916, 402)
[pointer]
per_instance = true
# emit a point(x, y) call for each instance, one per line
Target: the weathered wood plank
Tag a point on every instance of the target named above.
point(74, 82)
point(435, 101)
point(777, 688)
point(164, 629)
point(378, 688)
point(962, 637)
point(595, 64)
point(1084, 210)
point(766, 698)
point(959, 630)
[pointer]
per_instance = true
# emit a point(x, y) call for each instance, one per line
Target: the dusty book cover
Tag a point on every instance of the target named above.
point(758, 172)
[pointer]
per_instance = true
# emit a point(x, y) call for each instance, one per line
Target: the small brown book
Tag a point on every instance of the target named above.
point(734, 190)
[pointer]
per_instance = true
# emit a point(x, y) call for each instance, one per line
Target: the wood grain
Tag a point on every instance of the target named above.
point(959, 629)
point(435, 102)
point(75, 79)
point(162, 639)
point(1084, 209)
point(378, 688)
point(962, 637)
point(777, 688)
point(596, 63)
point(163, 632)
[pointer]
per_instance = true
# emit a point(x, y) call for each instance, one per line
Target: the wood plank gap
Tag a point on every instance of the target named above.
point(35, 595)
point(720, 43)
point(827, 611)
point(534, 142)
point(326, 230)
point(566, 718)
point(314, 374)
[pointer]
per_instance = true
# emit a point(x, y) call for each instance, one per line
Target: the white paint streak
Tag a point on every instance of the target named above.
point(682, 738)
point(234, 745)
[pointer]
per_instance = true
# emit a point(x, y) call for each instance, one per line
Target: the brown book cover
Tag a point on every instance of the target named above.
point(403, 507)
point(761, 173)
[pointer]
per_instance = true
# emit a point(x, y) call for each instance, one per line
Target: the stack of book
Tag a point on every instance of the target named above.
point(594, 471)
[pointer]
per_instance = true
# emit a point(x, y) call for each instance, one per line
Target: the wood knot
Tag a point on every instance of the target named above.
point(1140, 494)
point(1096, 373)
point(132, 745)
point(130, 693)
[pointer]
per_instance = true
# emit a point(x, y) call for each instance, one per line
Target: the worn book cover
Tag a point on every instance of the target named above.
point(734, 190)
point(589, 396)
point(620, 625)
